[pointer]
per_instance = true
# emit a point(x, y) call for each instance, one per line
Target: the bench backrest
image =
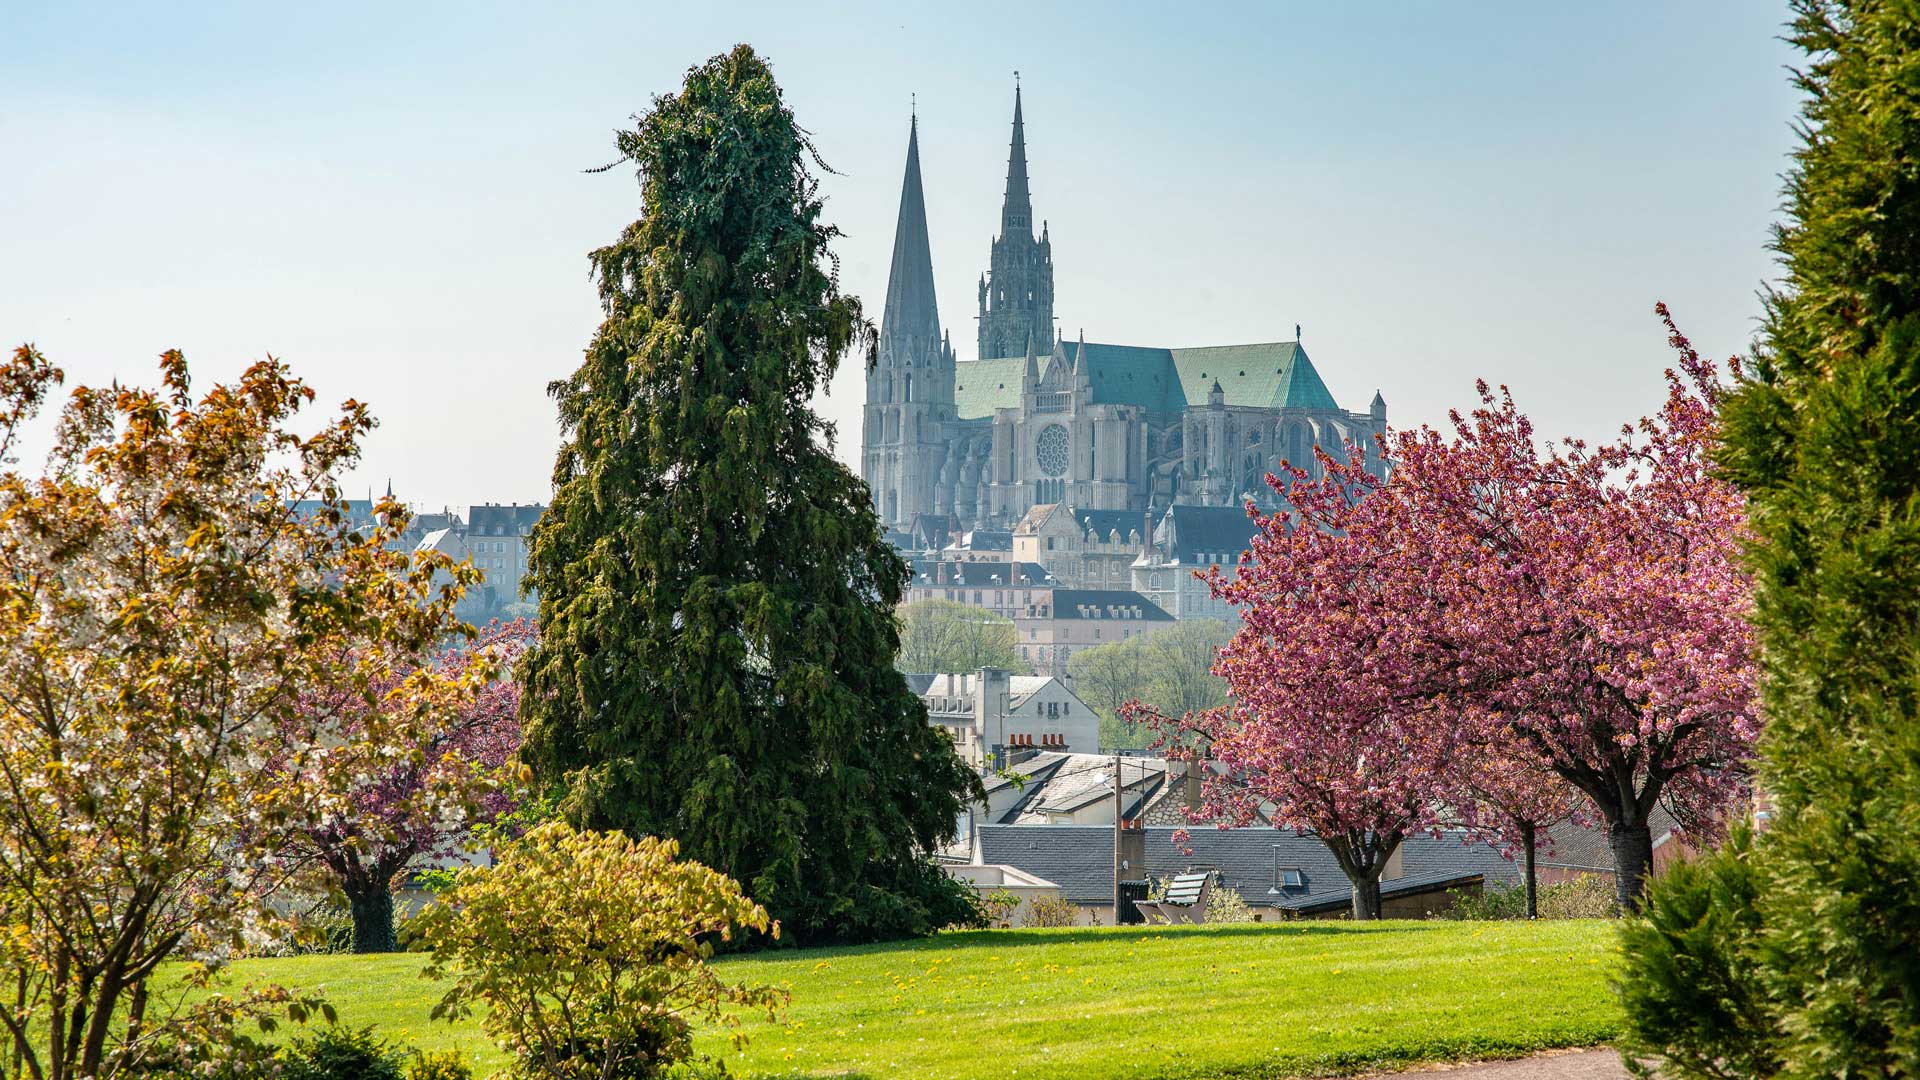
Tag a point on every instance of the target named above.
point(1185, 889)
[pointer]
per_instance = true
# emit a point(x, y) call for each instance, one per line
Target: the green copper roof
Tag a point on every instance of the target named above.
point(981, 386)
point(1275, 375)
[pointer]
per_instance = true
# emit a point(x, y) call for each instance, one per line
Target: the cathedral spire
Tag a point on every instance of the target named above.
point(1032, 375)
point(1016, 209)
point(911, 321)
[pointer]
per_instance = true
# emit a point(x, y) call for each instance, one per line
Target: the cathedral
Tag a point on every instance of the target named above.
point(1036, 419)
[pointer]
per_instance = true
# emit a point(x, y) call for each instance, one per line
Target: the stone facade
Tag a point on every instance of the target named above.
point(1037, 419)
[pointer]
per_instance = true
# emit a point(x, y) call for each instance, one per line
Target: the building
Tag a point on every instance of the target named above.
point(1278, 872)
point(992, 710)
point(1036, 419)
point(1081, 619)
point(494, 537)
point(1188, 539)
point(1012, 589)
point(1083, 549)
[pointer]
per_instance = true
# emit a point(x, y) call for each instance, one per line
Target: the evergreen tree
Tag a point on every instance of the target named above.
point(1821, 977)
point(717, 629)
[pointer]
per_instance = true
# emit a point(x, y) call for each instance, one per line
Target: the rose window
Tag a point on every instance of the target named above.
point(1052, 450)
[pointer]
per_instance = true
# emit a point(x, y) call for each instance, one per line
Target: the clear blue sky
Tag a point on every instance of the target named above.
point(392, 198)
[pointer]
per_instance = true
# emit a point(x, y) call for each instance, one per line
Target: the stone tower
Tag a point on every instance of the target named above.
point(910, 389)
point(1016, 295)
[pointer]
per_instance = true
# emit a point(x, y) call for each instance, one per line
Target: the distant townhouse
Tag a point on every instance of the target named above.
point(1008, 588)
point(1186, 539)
point(990, 712)
point(1080, 619)
point(1083, 549)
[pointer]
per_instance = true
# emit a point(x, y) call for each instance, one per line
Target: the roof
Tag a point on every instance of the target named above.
point(493, 519)
point(1105, 523)
point(1267, 375)
point(1079, 858)
point(984, 540)
point(1101, 604)
point(1195, 534)
point(1584, 847)
point(977, 575)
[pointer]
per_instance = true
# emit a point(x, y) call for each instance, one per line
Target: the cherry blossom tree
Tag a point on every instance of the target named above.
point(1585, 599)
point(458, 777)
point(1508, 798)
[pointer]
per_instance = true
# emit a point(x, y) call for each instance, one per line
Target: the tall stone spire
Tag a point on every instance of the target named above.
point(910, 324)
point(1016, 209)
point(1017, 300)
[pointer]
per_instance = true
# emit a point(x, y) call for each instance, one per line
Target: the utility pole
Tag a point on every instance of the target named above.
point(1117, 828)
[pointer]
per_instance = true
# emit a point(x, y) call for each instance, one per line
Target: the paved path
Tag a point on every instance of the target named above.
point(1602, 1064)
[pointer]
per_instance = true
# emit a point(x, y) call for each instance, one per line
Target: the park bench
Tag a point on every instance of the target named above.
point(1185, 900)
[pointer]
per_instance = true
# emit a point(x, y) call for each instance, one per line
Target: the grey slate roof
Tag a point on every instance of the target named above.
point(1104, 523)
point(1102, 604)
point(1187, 533)
point(1079, 859)
point(977, 575)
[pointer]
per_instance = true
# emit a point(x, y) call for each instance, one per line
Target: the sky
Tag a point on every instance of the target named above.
point(394, 198)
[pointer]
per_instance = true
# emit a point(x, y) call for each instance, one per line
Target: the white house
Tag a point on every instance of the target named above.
point(990, 712)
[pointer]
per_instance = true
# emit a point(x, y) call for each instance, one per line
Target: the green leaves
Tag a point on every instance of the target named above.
point(716, 655)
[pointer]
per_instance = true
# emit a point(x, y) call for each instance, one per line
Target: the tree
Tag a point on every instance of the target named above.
point(456, 779)
point(586, 953)
point(1812, 934)
point(1585, 600)
point(944, 637)
point(717, 627)
point(1170, 669)
point(164, 607)
point(1509, 799)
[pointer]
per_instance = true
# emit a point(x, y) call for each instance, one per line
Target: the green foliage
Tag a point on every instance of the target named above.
point(1170, 669)
point(341, 1053)
point(1051, 911)
point(1689, 982)
point(588, 952)
point(1807, 945)
point(1586, 896)
point(942, 636)
point(439, 1065)
point(717, 627)
point(996, 909)
point(1226, 906)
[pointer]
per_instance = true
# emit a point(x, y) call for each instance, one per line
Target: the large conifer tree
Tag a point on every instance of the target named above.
point(717, 627)
point(1798, 953)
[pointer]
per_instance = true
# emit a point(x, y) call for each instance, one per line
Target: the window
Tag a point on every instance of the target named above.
point(1096, 633)
point(1290, 877)
point(1049, 543)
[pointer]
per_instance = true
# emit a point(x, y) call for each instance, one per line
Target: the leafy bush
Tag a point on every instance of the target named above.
point(446, 1065)
point(1586, 896)
point(1052, 911)
point(997, 908)
point(588, 952)
point(339, 1053)
point(1689, 979)
point(1226, 905)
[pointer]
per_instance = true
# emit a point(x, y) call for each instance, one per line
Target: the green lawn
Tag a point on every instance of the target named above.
point(1216, 1001)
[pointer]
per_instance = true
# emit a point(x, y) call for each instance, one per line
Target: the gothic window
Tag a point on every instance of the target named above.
point(909, 396)
point(1298, 453)
point(1051, 449)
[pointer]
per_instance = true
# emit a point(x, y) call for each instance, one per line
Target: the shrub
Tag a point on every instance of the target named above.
point(1052, 911)
point(1688, 979)
point(1586, 896)
point(588, 952)
point(340, 1053)
point(1226, 905)
point(997, 908)
point(447, 1065)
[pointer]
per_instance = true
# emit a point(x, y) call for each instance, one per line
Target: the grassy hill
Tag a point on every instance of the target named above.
point(1216, 1001)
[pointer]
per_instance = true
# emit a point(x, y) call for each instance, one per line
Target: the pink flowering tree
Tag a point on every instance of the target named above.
point(1585, 600)
point(427, 801)
point(1504, 796)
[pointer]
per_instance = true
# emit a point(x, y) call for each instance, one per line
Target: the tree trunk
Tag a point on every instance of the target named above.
point(1632, 845)
point(1533, 885)
point(1366, 900)
point(372, 906)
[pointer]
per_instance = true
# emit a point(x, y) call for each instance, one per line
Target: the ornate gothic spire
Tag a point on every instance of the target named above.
point(1016, 210)
point(912, 317)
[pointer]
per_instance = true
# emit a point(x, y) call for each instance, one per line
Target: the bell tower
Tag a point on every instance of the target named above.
point(1016, 295)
